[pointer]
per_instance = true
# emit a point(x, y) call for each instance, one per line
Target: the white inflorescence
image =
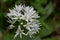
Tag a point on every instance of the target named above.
point(30, 23)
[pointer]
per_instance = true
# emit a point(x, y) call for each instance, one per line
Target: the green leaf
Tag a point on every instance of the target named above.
point(46, 28)
point(49, 9)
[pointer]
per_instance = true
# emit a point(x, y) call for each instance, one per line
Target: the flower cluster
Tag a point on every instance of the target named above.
point(25, 18)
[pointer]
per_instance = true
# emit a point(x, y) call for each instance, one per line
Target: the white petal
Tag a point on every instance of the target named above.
point(28, 28)
point(16, 35)
point(20, 35)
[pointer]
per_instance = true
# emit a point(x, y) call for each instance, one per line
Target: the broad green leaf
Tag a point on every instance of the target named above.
point(46, 28)
point(49, 9)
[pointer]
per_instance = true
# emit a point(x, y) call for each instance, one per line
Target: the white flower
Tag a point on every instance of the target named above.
point(14, 14)
point(11, 21)
point(18, 8)
point(31, 33)
point(25, 18)
point(19, 32)
point(29, 13)
point(33, 28)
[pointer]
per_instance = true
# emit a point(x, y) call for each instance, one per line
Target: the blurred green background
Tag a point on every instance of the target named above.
point(49, 10)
